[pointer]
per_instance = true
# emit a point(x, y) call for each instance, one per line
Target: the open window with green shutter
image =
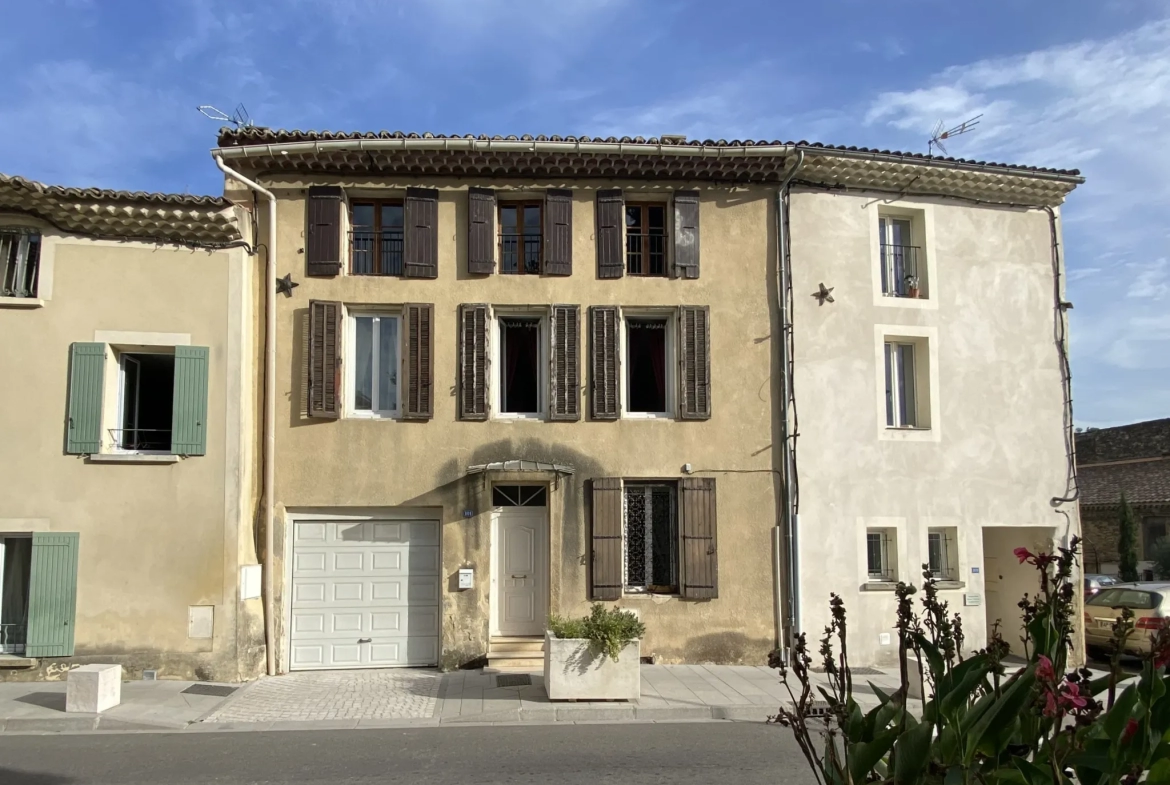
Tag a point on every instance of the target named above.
point(149, 400)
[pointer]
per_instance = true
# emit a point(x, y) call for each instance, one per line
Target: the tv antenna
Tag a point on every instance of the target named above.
point(239, 118)
point(936, 138)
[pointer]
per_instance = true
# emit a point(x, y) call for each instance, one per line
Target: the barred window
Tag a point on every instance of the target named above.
point(651, 538)
point(20, 251)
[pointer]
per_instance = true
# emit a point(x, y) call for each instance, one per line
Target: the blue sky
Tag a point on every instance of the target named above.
point(108, 99)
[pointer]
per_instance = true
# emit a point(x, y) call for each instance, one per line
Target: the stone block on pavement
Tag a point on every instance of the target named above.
point(93, 688)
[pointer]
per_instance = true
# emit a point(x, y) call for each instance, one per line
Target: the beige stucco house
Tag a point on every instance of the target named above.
point(708, 382)
point(126, 500)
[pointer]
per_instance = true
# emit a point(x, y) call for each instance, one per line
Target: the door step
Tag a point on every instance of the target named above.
point(515, 654)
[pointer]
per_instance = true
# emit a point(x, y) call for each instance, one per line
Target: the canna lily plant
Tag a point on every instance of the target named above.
point(981, 719)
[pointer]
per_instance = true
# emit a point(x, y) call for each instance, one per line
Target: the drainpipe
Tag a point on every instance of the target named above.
point(788, 520)
point(269, 408)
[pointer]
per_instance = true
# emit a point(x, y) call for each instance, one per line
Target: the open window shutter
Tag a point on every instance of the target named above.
point(421, 248)
point(694, 362)
point(324, 358)
point(611, 257)
point(52, 595)
point(606, 569)
point(473, 362)
point(558, 232)
point(417, 366)
point(323, 240)
point(700, 562)
point(87, 362)
point(605, 367)
point(481, 234)
point(189, 410)
point(565, 354)
point(686, 234)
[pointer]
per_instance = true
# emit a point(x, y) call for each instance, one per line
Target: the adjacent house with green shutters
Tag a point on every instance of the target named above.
point(127, 503)
point(710, 382)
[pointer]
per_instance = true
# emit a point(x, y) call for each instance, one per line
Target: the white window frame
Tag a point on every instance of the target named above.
point(921, 217)
point(896, 380)
point(350, 354)
point(949, 536)
point(49, 239)
point(925, 340)
point(888, 547)
point(670, 361)
point(119, 415)
point(495, 380)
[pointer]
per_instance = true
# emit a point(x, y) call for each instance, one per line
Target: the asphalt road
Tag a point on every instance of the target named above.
point(631, 754)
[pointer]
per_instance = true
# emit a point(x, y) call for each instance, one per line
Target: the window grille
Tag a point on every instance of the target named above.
point(20, 252)
point(877, 552)
point(651, 538)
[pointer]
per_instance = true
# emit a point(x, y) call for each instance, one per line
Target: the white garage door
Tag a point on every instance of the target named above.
point(365, 594)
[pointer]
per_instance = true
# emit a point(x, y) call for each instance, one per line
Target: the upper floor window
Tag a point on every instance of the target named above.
point(147, 391)
point(520, 237)
point(376, 235)
point(20, 251)
point(903, 274)
point(646, 239)
point(522, 353)
point(649, 376)
point(901, 385)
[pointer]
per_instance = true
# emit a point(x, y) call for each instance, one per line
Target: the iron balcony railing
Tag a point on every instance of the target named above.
point(646, 253)
point(900, 276)
point(20, 253)
point(519, 253)
point(143, 439)
point(376, 252)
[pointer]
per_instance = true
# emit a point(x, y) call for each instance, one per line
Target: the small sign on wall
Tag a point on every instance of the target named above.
point(972, 599)
point(974, 570)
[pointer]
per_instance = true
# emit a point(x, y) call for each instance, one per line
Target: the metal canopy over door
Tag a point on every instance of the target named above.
point(365, 594)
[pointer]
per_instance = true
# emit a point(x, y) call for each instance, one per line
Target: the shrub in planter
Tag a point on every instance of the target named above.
point(981, 721)
point(595, 656)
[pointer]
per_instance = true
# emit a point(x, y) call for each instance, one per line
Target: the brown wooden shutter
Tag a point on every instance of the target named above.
point(611, 252)
point(605, 579)
point(325, 358)
point(323, 246)
point(605, 366)
point(473, 362)
point(565, 401)
point(700, 557)
point(558, 232)
point(421, 248)
point(481, 231)
point(694, 362)
point(686, 234)
point(417, 365)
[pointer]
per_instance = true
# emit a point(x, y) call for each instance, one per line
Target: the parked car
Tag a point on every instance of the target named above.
point(1094, 584)
point(1150, 607)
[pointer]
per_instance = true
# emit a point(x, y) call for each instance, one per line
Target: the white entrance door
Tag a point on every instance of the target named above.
point(365, 594)
point(520, 571)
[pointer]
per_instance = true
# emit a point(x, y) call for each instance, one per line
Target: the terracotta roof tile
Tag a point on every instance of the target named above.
point(1144, 482)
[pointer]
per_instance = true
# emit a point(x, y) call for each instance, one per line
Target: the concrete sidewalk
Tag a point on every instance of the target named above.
point(406, 697)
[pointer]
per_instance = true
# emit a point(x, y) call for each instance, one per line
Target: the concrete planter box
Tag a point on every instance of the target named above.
point(572, 671)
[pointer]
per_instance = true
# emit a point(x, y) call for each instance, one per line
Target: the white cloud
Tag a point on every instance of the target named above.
point(1151, 281)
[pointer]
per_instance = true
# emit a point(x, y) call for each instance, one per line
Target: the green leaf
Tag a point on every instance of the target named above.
point(958, 695)
point(1097, 686)
point(954, 776)
point(912, 753)
point(1095, 757)
point(1159, 773)
point(1032, 773)
point(1117, 717)
point(947, 746)
point(863, 757)
point(887, 713)
point(855, 723)
point(1008, 775)
point(1009, 704)
point(884, 698)
point(933, 657)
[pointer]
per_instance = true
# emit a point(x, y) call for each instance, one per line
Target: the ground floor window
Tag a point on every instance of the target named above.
point(651, 538)
point(880, 554)
point(148, 390)
point(15, 566)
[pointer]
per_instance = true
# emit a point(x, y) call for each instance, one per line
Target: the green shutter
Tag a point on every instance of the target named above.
point(189, 414)
point(86, 365)
point(52, 601)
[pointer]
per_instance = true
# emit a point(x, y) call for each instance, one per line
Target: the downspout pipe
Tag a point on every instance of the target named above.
point(787, 529)
point(269, 453)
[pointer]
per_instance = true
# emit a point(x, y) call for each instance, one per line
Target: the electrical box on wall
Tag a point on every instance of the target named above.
point(250, 576)
point(466, 578)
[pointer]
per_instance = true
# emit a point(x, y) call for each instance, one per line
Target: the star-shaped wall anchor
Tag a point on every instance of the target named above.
point(824, 295)
point(285, 285)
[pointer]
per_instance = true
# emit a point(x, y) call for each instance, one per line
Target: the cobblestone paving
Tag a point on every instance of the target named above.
point(335, 695)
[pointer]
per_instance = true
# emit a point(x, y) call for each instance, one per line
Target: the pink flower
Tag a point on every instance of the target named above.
point(1049, 705)
point(1070, 696)
point(1023, 554)
point(1130, 729)
point(1044, 669)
